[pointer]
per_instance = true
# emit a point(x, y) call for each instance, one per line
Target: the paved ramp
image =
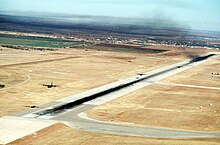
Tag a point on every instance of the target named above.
point(13, 128)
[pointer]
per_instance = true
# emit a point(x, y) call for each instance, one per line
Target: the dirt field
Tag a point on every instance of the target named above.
point(61, 134)
point(171, 106)
point(74, 70)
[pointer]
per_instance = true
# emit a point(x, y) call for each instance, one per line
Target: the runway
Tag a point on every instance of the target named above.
point(71, 110)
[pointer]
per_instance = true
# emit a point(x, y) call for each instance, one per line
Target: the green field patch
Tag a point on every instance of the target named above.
point(38, 41)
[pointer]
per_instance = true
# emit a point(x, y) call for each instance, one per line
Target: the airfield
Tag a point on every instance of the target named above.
point(185, 102)
point(73, 70)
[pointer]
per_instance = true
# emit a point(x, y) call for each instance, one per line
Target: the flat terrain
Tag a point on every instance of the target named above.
point(171, 106)
point(62, 134)
point(25, 74)
point(73, 70)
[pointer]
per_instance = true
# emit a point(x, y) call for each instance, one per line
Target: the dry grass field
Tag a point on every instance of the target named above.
point(73, 70)
point(168, 106)
point(62, 134)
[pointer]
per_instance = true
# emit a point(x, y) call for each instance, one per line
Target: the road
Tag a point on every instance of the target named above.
point(70, 110)
point(76, 118)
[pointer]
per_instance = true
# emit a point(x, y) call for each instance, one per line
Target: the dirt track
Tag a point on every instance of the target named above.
point(38, 62)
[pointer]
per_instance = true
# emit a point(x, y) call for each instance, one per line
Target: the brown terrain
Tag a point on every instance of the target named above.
point(24, 73)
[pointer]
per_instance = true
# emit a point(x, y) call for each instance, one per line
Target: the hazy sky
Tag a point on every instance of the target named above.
point(197, 14)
